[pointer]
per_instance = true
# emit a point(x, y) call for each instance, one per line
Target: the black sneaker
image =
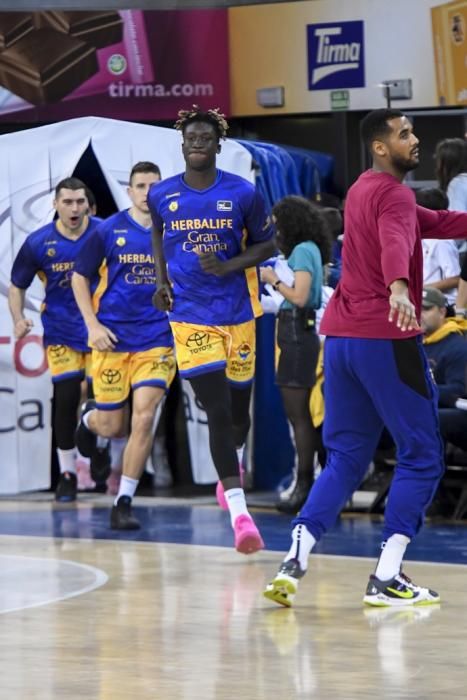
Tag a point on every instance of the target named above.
point(399, 592)
point(66, 488)
point(283, 587)
point(121, 517)
point(100, 466)
point(85, 439)
point(295, 500)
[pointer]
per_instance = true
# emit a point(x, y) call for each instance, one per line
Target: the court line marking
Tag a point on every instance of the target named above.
point(100, 579)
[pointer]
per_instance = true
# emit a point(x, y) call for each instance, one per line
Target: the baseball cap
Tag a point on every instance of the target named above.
point(433, 297)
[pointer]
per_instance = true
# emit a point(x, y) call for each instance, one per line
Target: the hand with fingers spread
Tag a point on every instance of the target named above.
point(101, 338)
point(402, 311)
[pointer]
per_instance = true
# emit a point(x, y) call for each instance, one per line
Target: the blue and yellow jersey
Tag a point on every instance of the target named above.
point(50, 255)
point(222, 219)
point(120, 254)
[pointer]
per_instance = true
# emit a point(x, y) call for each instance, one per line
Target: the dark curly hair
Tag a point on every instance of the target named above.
point(298, 220)
point(214, 117)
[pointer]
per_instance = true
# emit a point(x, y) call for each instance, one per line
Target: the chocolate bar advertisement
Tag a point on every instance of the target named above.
point(131, 64)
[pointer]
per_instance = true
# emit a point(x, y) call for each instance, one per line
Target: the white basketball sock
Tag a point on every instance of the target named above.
point(127, 487)
point(302, 544)
point(117, 445)
point(390, 560)
point(66, 461)
point(236, 503)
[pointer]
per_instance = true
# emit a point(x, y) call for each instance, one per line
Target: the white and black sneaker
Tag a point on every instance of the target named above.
point(283, 587)
point(398, 592)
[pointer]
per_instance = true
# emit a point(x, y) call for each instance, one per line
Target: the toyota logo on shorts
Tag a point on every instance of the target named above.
point(57, 350)
point(197, 340)
point(111, 376)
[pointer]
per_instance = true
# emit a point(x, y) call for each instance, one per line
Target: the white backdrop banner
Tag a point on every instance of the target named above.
point(204, 471)
point(32, 163)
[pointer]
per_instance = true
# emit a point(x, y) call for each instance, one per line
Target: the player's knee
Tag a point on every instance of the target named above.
point(142, 421)
point(109, 425)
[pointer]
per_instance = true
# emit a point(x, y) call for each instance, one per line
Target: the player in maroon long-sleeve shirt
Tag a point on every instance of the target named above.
point(375, 368)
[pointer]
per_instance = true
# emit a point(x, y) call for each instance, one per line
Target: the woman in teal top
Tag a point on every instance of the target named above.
point(303, 238)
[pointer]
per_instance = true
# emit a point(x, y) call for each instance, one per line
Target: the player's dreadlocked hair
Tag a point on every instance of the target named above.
point(211, 116)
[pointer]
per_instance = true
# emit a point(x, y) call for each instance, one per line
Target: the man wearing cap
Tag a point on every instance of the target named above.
point(446, 348)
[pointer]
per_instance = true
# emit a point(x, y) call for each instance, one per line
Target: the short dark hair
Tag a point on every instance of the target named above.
point(451, 160)
point(145, 166)
point(375, 125)
point(432, 198)
point(214, 117)
point(70, 183)
point(90, 197)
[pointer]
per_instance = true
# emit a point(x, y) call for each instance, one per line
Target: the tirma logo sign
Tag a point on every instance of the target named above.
point(336, 56)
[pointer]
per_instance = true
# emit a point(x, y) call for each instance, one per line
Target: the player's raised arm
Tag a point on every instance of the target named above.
point(442, 224)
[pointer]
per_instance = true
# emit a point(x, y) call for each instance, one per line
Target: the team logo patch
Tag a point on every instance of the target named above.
point(120, 241)
point(111, 376)
point(51, 252)
point(57, 351)
point(244, 351)
point(197, 342)
point(224, 205)
point(173, 206)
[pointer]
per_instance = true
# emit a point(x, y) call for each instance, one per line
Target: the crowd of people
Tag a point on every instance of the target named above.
point(126, 297)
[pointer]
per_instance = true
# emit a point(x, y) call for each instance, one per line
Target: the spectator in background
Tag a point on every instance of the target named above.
point(451, 171)
point(302, 237)
point(446, 349)
point(441, 267)
point(335, 223)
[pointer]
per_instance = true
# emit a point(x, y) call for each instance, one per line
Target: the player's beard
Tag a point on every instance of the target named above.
point(404, 165)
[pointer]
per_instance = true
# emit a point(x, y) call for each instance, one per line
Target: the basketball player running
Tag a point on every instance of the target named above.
point(50, 252)
point(210, 230)
point(375, 369)
point(132, 346)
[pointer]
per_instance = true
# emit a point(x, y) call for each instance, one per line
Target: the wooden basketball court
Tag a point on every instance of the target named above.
point(123, 618)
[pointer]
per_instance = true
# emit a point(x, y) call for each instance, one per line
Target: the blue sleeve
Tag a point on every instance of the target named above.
point(153, 204)
point(25, 266)
point(305, 258)
point(91, 255)
point(257, 221)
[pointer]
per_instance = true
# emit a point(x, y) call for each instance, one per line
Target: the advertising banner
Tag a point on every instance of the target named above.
point(335, 55)
point(450, 50)
point(132, 64)
point(298, 52)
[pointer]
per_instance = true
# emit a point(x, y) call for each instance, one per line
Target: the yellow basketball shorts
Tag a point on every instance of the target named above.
point(115, 373)
point(201, 349)
point(66, 363)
